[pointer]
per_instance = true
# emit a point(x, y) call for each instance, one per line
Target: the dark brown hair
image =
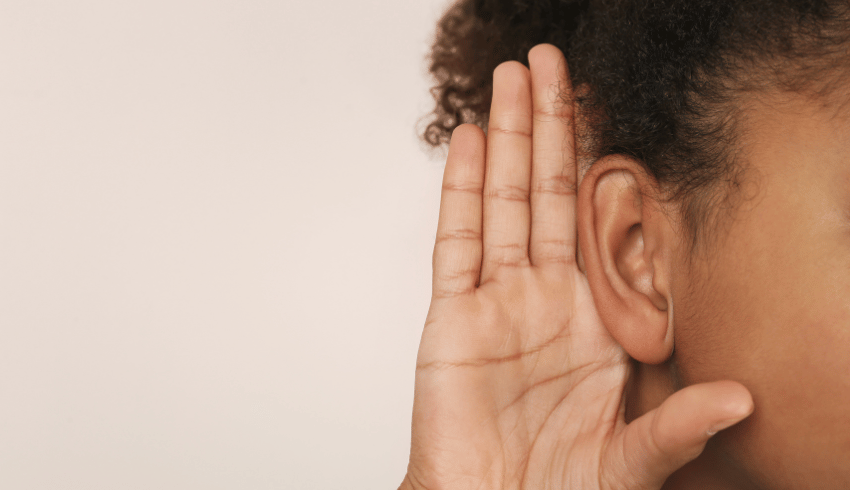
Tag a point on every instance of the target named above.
point(664, 78)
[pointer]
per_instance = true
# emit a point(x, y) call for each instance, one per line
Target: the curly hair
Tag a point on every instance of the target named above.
point(664, 80)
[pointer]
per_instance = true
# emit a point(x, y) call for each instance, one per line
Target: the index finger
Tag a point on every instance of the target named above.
point(553, 167)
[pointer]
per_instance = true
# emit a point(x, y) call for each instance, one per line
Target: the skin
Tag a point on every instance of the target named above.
point(772, 306)
point(547, 357)
point(525, 358)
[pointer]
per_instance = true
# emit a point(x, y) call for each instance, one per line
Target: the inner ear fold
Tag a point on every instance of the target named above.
point(636, 270)
point(630, 260)
point(623, 244)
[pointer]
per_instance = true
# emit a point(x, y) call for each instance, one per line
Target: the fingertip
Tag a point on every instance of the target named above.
point(690, 416)
point(546, 49)
point(467, 143)
point(544, 53)
point(465, 130)
point(735, 404)
point(510, 68)
point(539, 50)
point(511, 84)
point(734, 399)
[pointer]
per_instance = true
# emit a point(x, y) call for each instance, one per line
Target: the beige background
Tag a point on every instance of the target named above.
point(216, 228)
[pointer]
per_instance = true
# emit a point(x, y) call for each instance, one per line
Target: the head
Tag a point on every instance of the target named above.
point(714, 201)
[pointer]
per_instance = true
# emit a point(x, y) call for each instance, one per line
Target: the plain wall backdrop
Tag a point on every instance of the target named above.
point(216, 227)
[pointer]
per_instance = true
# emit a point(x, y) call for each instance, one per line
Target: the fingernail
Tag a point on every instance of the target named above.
point(725, 425)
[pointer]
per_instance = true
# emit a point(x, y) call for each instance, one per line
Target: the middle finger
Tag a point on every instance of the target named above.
point(553, 174)
point(506, 207)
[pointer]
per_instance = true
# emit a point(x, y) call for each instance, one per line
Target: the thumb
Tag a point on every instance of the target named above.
point(661, 441)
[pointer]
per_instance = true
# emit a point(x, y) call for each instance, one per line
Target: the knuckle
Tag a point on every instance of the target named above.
point(444, 292)
point(458, 234)
point(507, 248)
point(453, 275)
point(554, 253)
point(509, 261)
point(554, 109)
point(508, 193)
point(505, 129)
point(546, 113)
point(461, 187)
point(561, 185)
point(506, 254)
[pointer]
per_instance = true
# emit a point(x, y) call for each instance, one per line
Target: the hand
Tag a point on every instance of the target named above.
point(518, 383)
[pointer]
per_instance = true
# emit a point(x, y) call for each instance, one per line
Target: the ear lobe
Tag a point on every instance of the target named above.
point(625, 245)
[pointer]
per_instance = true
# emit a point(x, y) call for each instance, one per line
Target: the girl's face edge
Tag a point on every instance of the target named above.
point(772, 308)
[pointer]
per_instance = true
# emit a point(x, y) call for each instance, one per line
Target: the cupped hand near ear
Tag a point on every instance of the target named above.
point(518, 383)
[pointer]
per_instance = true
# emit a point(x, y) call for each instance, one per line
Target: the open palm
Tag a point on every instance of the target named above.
point(518, 382)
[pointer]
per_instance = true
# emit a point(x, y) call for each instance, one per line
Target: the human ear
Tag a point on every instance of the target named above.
point(626, 242)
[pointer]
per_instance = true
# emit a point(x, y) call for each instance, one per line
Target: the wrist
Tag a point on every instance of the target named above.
point(406, 484)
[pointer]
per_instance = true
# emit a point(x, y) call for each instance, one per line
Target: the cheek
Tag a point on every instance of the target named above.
point(774, 314)
point(715, 316)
